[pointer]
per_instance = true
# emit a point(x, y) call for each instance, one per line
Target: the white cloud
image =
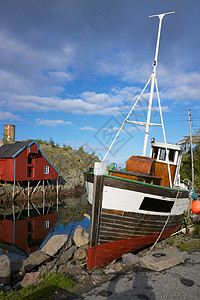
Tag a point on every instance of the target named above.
point(52, 123)
point(88, 128)
point(4, 115)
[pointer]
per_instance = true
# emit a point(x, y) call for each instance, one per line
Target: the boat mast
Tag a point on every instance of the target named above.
point(153, 77)
point(147, 124)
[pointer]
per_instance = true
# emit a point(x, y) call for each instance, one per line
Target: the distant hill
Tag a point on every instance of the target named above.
point(69, 162)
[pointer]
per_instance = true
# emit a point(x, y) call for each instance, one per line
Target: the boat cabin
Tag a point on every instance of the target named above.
point(154, 169)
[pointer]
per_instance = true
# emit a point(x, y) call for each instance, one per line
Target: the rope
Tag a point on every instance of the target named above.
point(163, 226)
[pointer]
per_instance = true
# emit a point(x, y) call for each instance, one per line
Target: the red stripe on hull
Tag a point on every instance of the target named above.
point(103, 254)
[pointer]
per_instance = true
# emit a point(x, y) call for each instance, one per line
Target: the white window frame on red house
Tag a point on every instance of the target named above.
point(46, 169)
point(46, 224)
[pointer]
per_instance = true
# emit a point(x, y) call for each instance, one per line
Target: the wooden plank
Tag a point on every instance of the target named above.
point(136, 216)
point(117, 182)
point(143, 188)
point(116, 229)
point(96, 209)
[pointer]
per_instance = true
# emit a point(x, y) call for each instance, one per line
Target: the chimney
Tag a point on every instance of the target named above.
point(9, 134)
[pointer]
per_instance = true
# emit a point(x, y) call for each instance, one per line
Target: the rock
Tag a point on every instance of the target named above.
point(109, 271)
point(130, 259)
point(96, 278)
point(54, 244)
point(80, 254)
point(16, 266)
point(34, 260)
point(97, 272)
point(163, 259)
point(5, 270)
point(52, 265)
point(66, 255)
point(30, 278)
point(71, 270)
point(81, 237)
point(63, 269)
point(43, 270)
point(68, 244)
point(118, 267)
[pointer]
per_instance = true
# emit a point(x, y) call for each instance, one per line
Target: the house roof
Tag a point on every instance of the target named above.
point(10, 150)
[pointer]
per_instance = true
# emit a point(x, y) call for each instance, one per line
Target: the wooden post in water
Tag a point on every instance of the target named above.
point(13, 201)
point(99, 172)
point(28, 198)
point(43, 197)
point(57, 194)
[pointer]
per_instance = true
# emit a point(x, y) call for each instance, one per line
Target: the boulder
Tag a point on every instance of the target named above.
point(130, 259)
point(163, 259)
point(80, 254)
point(81, 237)
point(66, 255)
point(68, 244)
point(118, 267)
point(34, 260)
point(70, 270)
point(5, 270)
point(30, 278)
point(55, 244)
point(16, 266)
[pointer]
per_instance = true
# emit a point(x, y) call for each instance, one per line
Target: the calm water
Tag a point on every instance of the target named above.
point(61, 229)
point(26, 235)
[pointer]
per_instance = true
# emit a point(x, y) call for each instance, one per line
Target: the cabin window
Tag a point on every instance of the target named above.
point(29, 226)
point(46, 224)
point(30, 160)
point(155, 153)
point(29, 238)
point(162, 154)
point(30, 172)
point(156, 205)
point(171, 155)
point(46, 169)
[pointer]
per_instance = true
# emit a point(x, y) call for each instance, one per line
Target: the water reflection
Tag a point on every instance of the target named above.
point(26, 235)
point(61, 229)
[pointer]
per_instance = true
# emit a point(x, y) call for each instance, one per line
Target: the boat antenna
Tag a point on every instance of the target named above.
point(153, 77)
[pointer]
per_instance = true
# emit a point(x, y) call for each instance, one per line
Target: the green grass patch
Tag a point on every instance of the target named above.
point(186, 245)
point(48, 284)
point(196, 232)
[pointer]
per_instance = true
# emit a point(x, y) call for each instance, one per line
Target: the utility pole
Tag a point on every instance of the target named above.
point(191, 150)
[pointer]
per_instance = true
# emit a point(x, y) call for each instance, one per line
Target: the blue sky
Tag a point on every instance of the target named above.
point(70, 70)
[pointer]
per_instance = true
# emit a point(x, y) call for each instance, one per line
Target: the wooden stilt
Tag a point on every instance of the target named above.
point(28, 199)
point(20, 212)
point(35, 189)
point(99, 172)
point(20, 187)
point(13, 201)
point(35, 208)
point(43, 195)
point(57, 195)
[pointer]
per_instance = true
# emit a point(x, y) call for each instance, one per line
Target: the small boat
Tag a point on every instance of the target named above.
point(141, 204)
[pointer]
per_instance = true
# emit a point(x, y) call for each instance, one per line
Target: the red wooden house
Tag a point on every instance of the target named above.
point(23, 161)
point(28, 234)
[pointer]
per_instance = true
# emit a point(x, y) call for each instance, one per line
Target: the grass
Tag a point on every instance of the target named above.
point(186, 245)
point(47, 285)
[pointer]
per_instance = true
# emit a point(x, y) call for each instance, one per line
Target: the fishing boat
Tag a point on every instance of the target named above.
point(141, 204)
